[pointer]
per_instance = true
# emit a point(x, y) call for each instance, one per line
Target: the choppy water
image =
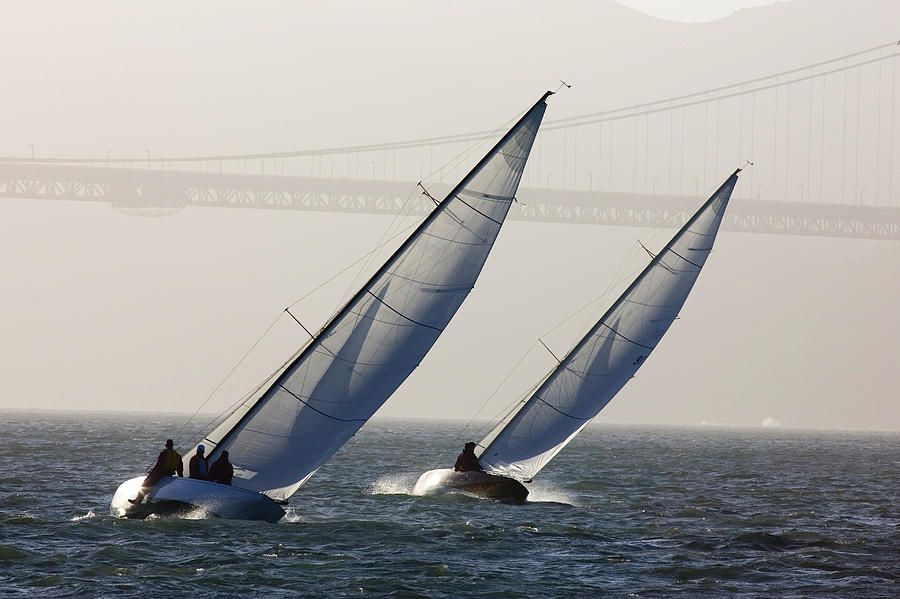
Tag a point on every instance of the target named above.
point(623, 511)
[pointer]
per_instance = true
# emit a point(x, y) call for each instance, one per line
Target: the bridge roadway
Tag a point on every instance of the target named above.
point(149, 191)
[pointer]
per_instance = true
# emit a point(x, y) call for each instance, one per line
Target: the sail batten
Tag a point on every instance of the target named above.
point(381, 334)
point(608, 356)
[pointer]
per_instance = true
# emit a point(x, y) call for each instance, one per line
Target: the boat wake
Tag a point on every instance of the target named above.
point(90, 514)
point(291, 517)
point(393, 484)
point(545, 494)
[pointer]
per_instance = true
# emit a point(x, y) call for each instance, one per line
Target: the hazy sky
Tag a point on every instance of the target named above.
point(692, 10)
point(104, 310)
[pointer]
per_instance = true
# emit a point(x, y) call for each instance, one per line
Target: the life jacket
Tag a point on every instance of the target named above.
point(172, 462)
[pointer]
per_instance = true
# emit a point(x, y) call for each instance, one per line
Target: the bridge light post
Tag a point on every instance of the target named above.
point(32, 152)
point(757, 190)
point(861, 192)
point(332, 169)
point(800, 185)
point(372, 162)
point(697, 186)
point(548, 179)
point(107, 157)
point(655, 179)
point(148, 159)
point(590, 181)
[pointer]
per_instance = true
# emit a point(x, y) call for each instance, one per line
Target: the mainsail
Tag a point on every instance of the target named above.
point(361, 356)
point(609, 354)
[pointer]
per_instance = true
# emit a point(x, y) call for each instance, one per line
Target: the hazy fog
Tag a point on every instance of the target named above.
point(101, 310)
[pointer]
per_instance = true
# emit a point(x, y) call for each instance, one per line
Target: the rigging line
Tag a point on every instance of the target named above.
point(425, 193)
point(689, 207)
point(367, 256)
point(459, 158)
point(480, 139)
point(244, 398)
point(353, 285)
point(498, 387)
point(550, 350)
point(592, 303)
point(318, 411)
point(247, 396)
point(230, 372)
point(385, 304)
point(652, 255)
point(234, 407)
point(509, 412)
point(288, 310)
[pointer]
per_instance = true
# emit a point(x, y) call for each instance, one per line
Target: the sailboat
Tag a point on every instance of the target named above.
point(280, 436)
point(593, 371)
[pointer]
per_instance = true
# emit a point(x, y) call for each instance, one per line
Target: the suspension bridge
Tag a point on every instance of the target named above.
point(822, 135)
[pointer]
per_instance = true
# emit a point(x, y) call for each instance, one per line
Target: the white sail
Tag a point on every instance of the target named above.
point(609, 354)
point(375, 342)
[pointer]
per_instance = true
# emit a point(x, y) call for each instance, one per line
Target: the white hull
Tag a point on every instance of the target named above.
point(480, 484)
point(176, 496)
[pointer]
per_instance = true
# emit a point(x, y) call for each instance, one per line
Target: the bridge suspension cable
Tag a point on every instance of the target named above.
point(675, 102)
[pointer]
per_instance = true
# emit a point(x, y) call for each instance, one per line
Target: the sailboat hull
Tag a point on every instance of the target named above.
point(480, 484)
point(192, 498)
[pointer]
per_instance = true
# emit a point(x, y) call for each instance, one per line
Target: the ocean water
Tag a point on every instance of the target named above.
point(624, 511)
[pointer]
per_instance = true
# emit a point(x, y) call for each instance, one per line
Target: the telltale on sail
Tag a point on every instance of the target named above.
point(278, 437)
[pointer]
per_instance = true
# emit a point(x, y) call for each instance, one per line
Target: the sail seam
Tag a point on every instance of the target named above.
point(626, 338)
point(383, 303)
point(493, 220)
point(314, 409)
point(437, 287)
point(486, 196)
point(541, 399)
point(458, 241)
point(685, 259)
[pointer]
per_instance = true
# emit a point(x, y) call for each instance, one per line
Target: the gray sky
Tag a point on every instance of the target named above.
point(103, 310)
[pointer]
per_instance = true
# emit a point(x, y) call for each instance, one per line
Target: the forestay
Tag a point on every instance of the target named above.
point(373, 344)
point(609, 354)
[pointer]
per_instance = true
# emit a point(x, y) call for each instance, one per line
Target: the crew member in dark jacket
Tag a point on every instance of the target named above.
point(167, 464)
point(199, 466)
point(221, 471)
point(467, 461)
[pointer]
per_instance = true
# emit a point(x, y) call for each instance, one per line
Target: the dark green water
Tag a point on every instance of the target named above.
point(623, 511)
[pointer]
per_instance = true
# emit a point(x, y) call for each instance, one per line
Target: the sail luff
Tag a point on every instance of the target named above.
point(453, 247)
point(533, 459)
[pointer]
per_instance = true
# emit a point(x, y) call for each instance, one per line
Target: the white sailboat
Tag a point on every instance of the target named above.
point(596, 368)
point(278, 438)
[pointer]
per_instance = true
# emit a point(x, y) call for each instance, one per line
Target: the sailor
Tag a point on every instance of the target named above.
point(221, 471)
point(199, 465)
point(167, 464)
point(467, 461)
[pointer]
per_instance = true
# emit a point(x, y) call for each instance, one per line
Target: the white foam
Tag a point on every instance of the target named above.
point(544, 494)
point(90, 514)
point(290, 516)
point(393, 484)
